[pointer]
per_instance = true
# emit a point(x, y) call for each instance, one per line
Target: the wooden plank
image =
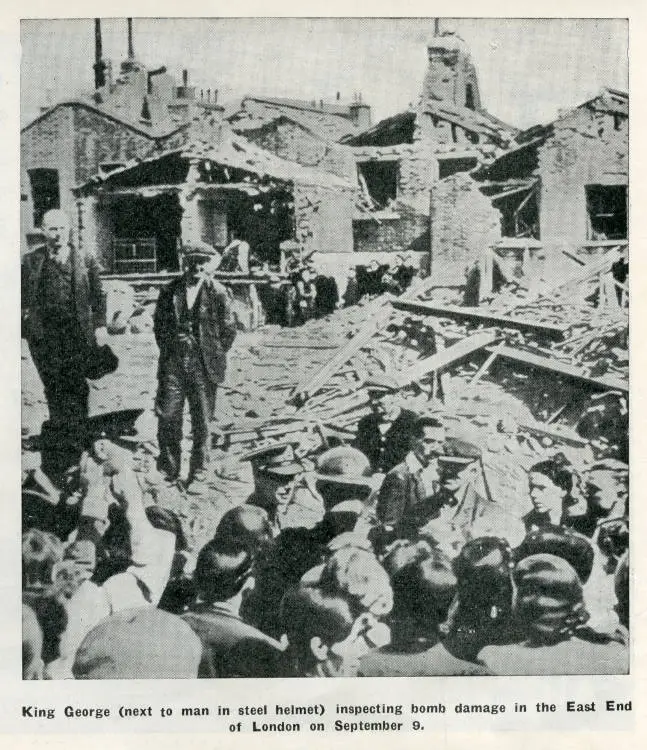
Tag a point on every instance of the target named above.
point(552, 365)
point(377, 318)
point(480, 315)
point(556, 432)
point(586, 272)
point(445, 358)
point(486, 365)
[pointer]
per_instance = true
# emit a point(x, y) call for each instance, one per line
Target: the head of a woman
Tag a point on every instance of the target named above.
point(549, 602)
point(551, 485)
point(484, 592)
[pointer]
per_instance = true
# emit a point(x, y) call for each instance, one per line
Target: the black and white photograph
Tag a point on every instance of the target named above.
point(324, 347)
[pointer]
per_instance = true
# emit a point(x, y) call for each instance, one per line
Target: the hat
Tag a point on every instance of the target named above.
point(278, 459)
point(114, 425)
point(199, 248)
point(460, 451)
point(347, 506)
point(380, 383)
point(345, 465)
point(139, 643)
point(561, 542)
point(549, 596)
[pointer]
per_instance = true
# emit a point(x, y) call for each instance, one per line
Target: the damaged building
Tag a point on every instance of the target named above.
point(132, 112)
point(214, 187)
point(563, 187)
point(401, 159)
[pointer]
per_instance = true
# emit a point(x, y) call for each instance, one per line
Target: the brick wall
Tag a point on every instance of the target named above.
point(408, 232)
point(74, 141)
point(324, 218)
point(48, 144)
point(586, 149)
point(463, 225)
point(98, 139)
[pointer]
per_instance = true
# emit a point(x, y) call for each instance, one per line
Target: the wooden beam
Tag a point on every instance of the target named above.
point(559, 368)
point(377, 318)
point(556, 432)
point(480, 315)
point(445, 358)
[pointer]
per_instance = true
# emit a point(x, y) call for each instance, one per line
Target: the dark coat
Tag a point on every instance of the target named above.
point(402, 503)
point(231, 647)
point(384, 451)
point(89, 302)
point(216, 328)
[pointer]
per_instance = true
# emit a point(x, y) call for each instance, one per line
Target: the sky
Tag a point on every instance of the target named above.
point(527, 69)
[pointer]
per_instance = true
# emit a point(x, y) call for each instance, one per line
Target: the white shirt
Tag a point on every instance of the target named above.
point(192, 293)
point(428, 474)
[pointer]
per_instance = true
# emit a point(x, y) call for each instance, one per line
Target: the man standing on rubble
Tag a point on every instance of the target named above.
point(383, 435)
point(62, 306)
point(194, 329)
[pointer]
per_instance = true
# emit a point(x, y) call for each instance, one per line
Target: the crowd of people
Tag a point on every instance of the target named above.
point(309, 294)
point(387, 557)
point(384, 574)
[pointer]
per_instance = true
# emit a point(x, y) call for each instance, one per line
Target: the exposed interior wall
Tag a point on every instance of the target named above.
point(408, 231)
point(463, 225)
point(324, 218)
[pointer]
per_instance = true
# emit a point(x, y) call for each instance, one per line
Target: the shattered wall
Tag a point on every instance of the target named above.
point(408, 232)
point(589, 147)
point(324, 218)
point(74, 140)
point(49, 144)
point(463, 224)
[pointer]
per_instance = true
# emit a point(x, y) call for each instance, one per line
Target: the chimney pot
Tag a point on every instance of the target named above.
point(185, 77)
point(338, 96)
point(131, 49)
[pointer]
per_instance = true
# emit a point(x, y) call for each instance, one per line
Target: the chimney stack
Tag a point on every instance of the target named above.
point(99, 65)
point(185, 77)
point(131, 49)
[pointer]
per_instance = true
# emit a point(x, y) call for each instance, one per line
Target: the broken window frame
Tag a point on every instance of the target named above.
point(370, 196)
point(606, 216)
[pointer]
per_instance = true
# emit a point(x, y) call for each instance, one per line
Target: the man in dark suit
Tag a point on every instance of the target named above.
point(230, 646)
point(62, 306)
point(408, 496)
point(383, 435)
point(194, 329)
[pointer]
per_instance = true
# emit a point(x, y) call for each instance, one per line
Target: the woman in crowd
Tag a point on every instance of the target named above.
point(481, 612)
point(554, 638)
point(552, 486)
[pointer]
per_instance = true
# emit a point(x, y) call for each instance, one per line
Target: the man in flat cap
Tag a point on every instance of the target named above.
point(383, 435)
point(194, 329)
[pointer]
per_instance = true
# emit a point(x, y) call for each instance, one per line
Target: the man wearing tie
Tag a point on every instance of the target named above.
point(407, 498)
